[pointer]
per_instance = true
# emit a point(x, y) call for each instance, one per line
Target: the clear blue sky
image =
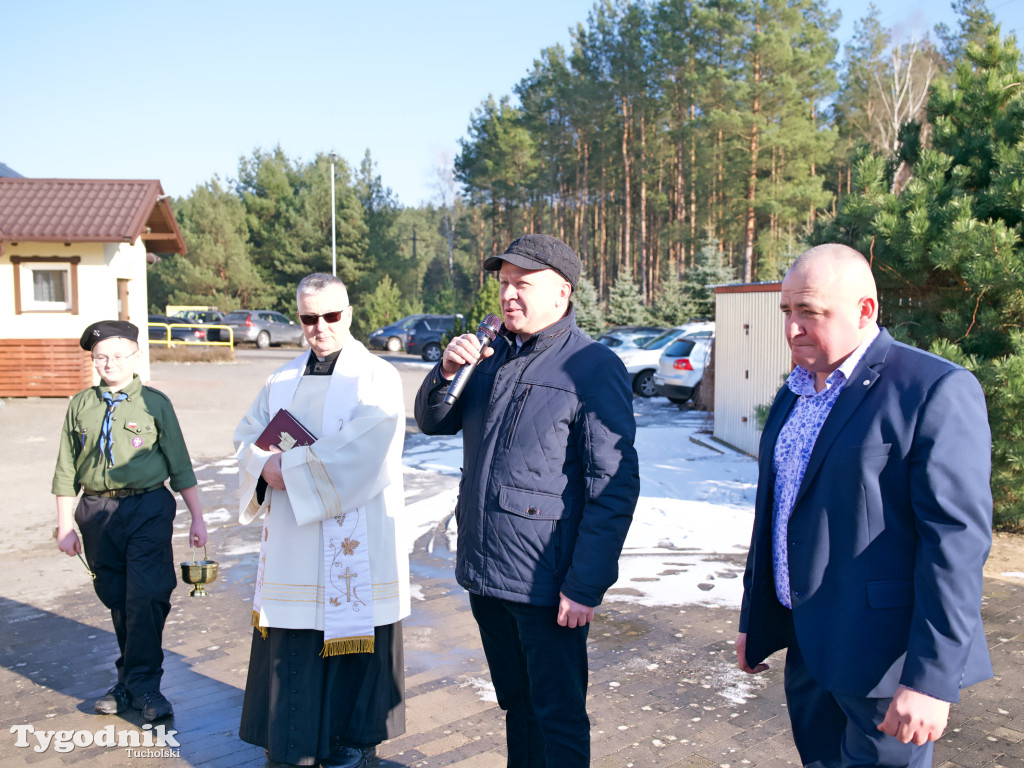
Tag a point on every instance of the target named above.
point(179, 91)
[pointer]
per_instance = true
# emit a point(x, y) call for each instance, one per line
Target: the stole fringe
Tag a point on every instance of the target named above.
point(337, 647)
point(256, 623)
point(342, 645)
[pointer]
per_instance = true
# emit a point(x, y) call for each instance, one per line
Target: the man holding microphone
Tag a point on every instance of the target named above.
point(549, 485)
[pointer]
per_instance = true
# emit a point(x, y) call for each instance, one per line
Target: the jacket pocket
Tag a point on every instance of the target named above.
point(458, 498)
point(517, 411)
point(81, 434)
point(533, 505)
point(536, 536)
point(896, 593)
point(139, 434)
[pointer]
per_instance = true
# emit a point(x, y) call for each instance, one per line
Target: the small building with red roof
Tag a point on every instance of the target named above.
point(74, 251)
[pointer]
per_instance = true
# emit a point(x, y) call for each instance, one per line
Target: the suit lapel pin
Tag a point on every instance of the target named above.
point(866, 382)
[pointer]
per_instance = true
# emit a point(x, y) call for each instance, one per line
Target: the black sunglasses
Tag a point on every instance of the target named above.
point(329, 317)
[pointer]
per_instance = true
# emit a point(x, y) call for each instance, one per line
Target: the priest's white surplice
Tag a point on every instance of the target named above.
point(351, 474)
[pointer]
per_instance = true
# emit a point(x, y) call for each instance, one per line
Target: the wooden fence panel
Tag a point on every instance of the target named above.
point(43, 368)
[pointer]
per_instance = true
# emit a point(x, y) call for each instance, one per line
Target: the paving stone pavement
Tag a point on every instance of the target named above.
point(664, 689)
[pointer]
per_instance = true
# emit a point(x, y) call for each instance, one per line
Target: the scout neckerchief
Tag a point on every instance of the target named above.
point(348, 611)
point(106, 444)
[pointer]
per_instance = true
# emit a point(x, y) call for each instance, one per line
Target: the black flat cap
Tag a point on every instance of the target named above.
point(540, 252)
point(107, 329)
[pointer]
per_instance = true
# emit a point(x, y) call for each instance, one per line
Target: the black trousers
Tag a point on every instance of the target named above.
point(301, 707)
point(835, 731)
point(128, 546)
point(539, 671)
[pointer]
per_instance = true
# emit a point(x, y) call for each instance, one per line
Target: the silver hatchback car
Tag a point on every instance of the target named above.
point(681, 368)
point(263, 327)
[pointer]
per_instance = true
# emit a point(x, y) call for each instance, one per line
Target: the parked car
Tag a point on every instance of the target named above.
point(681, 368)
point(158, 333)
point(424, 336)
point(392, 337)
point(263, 328)
point(641, 362)
point(203, 316)
point(629, 336)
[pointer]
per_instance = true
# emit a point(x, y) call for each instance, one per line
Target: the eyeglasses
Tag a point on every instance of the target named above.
point(329, 317)
point(115, 359)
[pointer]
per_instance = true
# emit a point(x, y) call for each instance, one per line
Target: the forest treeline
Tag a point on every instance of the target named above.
point(671, 136)
point(675, 145)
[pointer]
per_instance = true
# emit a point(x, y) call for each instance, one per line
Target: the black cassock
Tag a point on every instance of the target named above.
point(301, 707)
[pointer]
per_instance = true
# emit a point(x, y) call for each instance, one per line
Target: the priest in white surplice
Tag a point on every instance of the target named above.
point(326, 682)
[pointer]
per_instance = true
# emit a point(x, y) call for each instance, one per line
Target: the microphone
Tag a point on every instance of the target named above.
point(485, 334)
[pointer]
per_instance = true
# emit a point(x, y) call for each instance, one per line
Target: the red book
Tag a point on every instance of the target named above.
point(284, 431)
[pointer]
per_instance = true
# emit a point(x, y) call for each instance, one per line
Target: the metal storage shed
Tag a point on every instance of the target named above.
point(752, 360)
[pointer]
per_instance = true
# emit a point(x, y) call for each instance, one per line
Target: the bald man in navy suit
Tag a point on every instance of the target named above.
point(872, 522)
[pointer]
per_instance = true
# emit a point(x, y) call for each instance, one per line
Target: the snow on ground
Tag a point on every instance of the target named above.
point(441, 454)
point(484, 689)
point(692, 523)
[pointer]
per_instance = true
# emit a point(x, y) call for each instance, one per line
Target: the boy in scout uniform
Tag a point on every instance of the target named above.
point(121, 441)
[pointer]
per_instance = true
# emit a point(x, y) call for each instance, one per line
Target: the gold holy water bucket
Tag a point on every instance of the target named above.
point(198, 573)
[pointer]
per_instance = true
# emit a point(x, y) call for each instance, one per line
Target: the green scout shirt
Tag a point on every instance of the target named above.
point(147, 443)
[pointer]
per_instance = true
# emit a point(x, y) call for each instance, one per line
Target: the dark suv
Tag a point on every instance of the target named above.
point(425, 335)
point(392, 337)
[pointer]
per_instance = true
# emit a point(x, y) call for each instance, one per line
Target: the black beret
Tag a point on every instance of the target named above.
point(107, 329)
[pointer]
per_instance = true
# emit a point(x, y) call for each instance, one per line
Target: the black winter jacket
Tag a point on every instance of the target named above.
point(550, 476)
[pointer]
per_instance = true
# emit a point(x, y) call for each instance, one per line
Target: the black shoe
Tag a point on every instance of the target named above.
point(114, 702)
point(152, 705)
point(351, 757)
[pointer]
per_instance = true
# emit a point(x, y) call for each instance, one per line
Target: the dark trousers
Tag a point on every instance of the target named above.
point(539, 671)
point(301, 707)
point(128, 546)
point(834, 731)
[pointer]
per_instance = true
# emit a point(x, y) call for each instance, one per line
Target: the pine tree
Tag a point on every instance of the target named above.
point(589, 316)
point(947, 250)
point(380, 212)
point(784, 57)
point(378, 308)
point(710, 269)
point(217, 270)
point(442, 301)
point(624, 303)
point(288, 212)
point(499, 160)
point(975, 22)
point(486, 303)
point(672, 306)
point(440, 295)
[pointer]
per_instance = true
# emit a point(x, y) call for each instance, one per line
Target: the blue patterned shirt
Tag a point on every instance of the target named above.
point(793, 451)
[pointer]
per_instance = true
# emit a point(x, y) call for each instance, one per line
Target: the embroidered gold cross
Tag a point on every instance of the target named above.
point(348, 576)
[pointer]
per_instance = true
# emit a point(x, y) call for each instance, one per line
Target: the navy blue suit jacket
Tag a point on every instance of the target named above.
point(888, 535)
